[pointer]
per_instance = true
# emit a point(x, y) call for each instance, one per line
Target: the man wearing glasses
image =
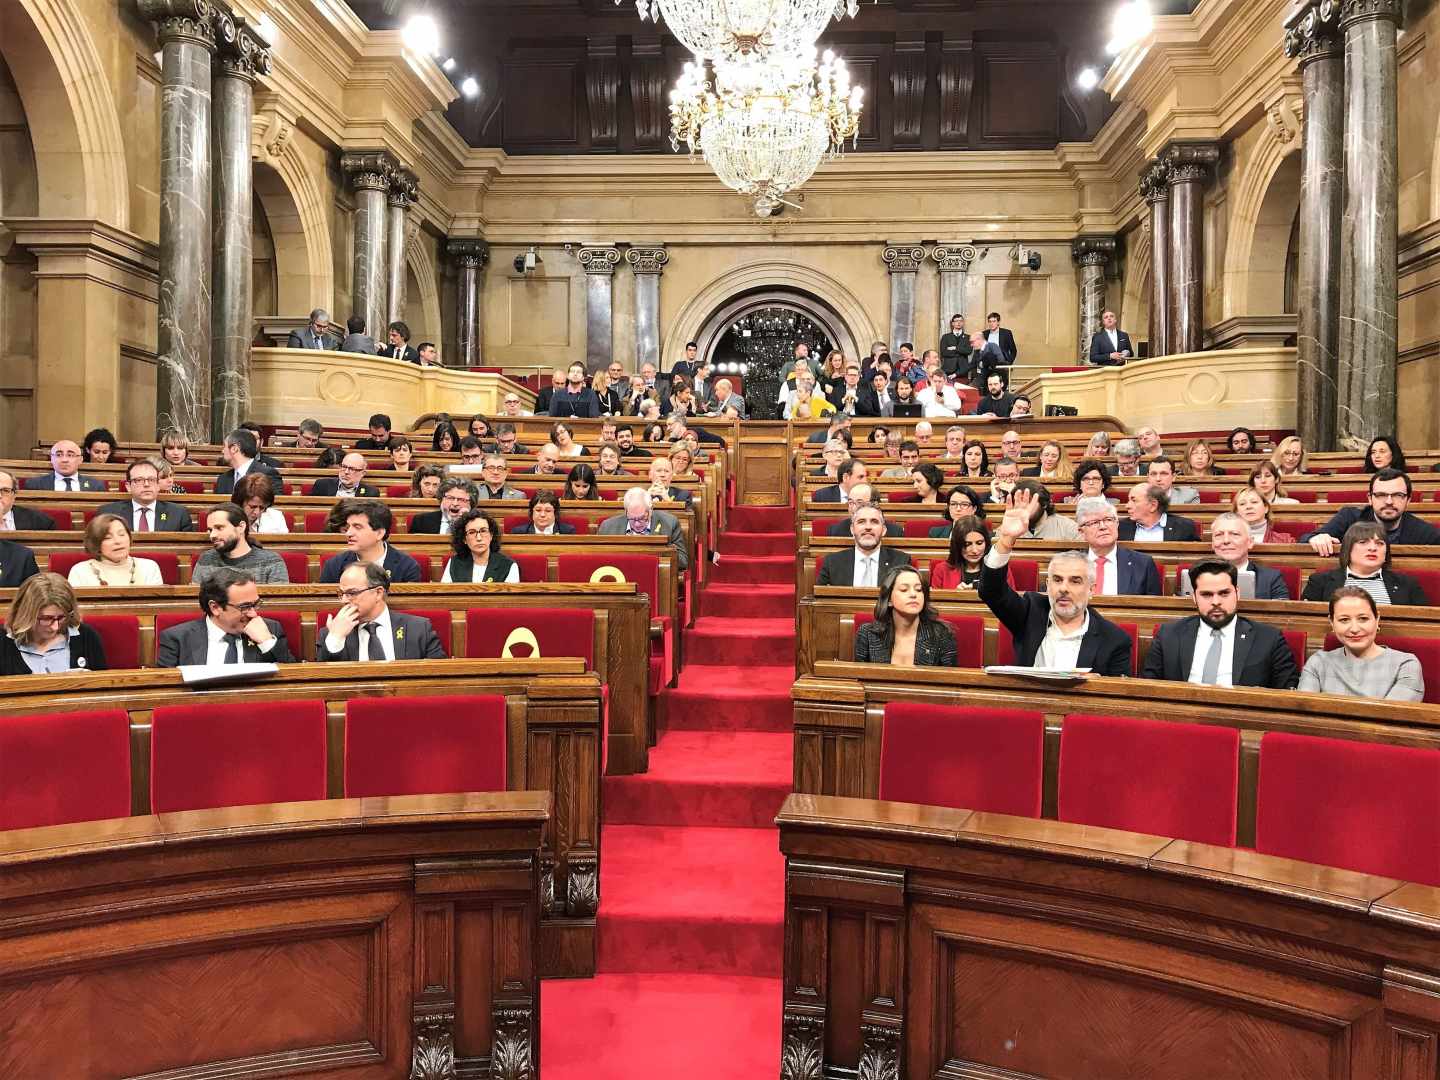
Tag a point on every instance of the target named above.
point(457, 498)
point(1390, 493)
point(232, 632)
point(144, 510)
point(1115, 571)
point(493, 477)
point(367, 540)
point(511, 406)
point(347, 483)
point(366, 629)
point(14, 517)
point(64, 472)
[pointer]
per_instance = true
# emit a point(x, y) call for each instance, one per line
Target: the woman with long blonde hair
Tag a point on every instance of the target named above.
point(43, 632)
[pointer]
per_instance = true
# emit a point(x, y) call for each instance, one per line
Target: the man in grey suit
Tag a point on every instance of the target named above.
point(366, 629)
point(356, 339)
point(642, 519)
point(144, 511)
point(64, 471)
point(232, 631)
point(315, 334)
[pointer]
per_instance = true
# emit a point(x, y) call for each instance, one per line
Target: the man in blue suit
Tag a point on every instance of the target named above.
point(1117, 571)
point(1111, 345)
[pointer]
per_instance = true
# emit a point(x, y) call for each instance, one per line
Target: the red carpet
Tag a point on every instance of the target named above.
point(692, 884)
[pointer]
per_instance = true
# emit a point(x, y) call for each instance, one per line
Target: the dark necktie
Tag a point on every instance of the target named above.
point(144, 519)
point(376, 651)
point(232, 648)
point(69, 483)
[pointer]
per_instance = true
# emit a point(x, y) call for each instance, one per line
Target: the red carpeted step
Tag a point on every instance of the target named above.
point(743, 543)
point(747, 642)
point(748, 601)
point(709, 778)
point(753, 570)
point(731, 699)
point(655, 1027)
point(771, 519)
point(706, 900)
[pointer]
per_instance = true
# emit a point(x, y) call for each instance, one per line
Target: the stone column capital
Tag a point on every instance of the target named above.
point(369, 170)
point(242, 52)
point(1312, 31)
point(599, 260)
point(188, 21)
point(1093, 250)
point(1358, 11)
point(954, 256)
point(647, 260)
point(470, 253)
point(1190, 163)
point(404, 187)
point(1155, 182)
point(903, 258)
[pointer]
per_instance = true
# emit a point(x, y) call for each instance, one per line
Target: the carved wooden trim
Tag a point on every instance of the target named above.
point(802, 1046)
point(602, 92)
point(907, 81)
point(547, 886)
point(880, 1058)
point(648, 103)
point(957, 81)
point(582, 885)
point(432, 1052)
point(512, 1048)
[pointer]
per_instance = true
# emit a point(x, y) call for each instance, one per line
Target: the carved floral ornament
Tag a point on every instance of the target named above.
point(599, 260)
point(270, 132)
point(183, 21)
point(647, 260)
point(903, 259)
point(1313, 30)
point(469, 254)
point(404, 187)
point(1093, 250)
point(954, 256)
point(369, 170)
point(1191, 163)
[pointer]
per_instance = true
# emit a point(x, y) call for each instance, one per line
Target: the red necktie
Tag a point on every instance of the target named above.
point(144, 519)
point(1100, 576)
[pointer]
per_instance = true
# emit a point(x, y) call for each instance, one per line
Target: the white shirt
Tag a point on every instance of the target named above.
point(941, 401)
point(512, 578)
point(993, 338)
point(1112, 572)
point(215, 653)
point(135, 509)
point(8, 521)
point(1114, 339)
point(387, 638)
point(1061, 648)
point(272, 521)
point(240, 473)
point(1152, 533)
point(1225, 675)
point(867, 570)
point(60, 482)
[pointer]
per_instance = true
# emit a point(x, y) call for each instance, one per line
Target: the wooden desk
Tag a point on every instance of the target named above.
point(926, 942)
point(359, 937)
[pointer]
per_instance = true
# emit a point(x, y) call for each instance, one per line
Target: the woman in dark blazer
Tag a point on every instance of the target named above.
point(1365, 552)
point(906, 631)
point(43, 631)
point(544, 517)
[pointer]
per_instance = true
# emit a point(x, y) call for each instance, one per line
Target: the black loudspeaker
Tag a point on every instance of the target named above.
point(1061, 410)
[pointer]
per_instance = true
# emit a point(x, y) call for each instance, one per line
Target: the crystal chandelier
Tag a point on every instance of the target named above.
point(712, 29)
point(764, 123)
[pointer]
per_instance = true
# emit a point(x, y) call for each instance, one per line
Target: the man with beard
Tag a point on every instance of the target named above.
point(1056, 628)
point(1390, 492)
point(1216, 647)
point(230, 549)
point(863, 565)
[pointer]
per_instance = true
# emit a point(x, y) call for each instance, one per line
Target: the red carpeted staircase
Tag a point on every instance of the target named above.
point(692, 885)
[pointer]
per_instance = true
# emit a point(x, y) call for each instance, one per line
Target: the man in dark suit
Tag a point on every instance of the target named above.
point(661, 473)
point(366, 629)
point(19, 518)
point(144, 511)
point(356, 339)
point(232, 631)
point(1231, 540)
point(547, 393)
point(1217, 647)
point(642, 519)
point(1056, 628)
point(1390, 498)
point(379, 437)
point(64, 472)
point(985, 360)
point(849, 396)
point(367, 540)
point(458, 497)
point(865, 564)
point(1114, 570)
point(397, 345)
point(315, 334)
point(240, 450)
point(17, 563)
point(852, 471)
point(687, 366)
point(1150, 520)
point(1002, 339)
point(347, 483)
point(861, 495)
point(1110, 346)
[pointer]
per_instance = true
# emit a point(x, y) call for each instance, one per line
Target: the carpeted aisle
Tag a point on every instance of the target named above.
point(692, 884)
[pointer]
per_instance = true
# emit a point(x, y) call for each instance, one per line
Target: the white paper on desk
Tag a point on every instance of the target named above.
point(1052, 674)
point(208, 674)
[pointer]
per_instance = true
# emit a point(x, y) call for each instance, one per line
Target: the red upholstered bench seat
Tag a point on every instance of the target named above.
point(57, 768)
point(972, 758)
point(424, 745)
point(644, 572)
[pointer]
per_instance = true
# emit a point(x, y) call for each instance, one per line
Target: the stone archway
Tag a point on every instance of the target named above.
point(296, 210)
point(1266, 201)
point(822, 315)
point(422, 289)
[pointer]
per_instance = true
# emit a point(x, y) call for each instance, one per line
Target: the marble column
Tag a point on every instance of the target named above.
point(370, 174)
point(903, 262)
point(470, 257)
point(187, 43)
point(404, 187)
point(1312, 34)
point(954, 262)
point(242, 55)
point(599, 263)
point(1369, 296)
point(1092, 254)
point(1155, 190)
point(1189, 166)
point(648, 263)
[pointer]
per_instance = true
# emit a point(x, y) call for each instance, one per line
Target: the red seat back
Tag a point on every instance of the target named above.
point(511, 522)
point(315, 521)
point(424, 745)
point(1361, 806)
point(427, 569)
point(546, 632)
point(1024, 575)
point(643, 570)
point(902, 496)
point(297, 566)
point(120, 635)
point(1211, 495)
point(921, 529)
point(1133, 631)
point(975, 758)
point(969, 636)
point(1296, 640)
point(821, 526)
point(168, 561)
point(397, 491)
point(237, 754)
point(439, 619)
point(1305, 496)
point(56, 768)
point(192, 487)
point(532, 567)
point(62, 562)
point(1348, 495)
point(1429, 580)
point(64, 519)
point(1426, 650)
point(1150, 776)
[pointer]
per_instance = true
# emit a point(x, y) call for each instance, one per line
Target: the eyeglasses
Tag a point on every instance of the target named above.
point(1398, 496)
point(477, 531)
point(247, 609)
point(512, 401)
point(352, 468)
point(51, 620)
point(350, 594)
point(1095, 523)
point(7, 491)
point(134, 480)
point(65, 453)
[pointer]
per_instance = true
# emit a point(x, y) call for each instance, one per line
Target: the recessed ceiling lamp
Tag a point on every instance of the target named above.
point(1132, 22)
point(1088, 78)
point(469, 87)
point(421, 35)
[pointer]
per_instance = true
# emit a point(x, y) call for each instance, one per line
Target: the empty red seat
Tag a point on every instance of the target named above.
point(315, 521)
point(1211, 495)
point(1429, 581)
point(644, 571)
point(902, 496)
point(1150, 776)
point(1348, 495)
point(1426, 650)
point(973, 758)
point(208, 755)
point(426, 564)
point(62, 562)
point(120, 635)
point(1303, 495)
point(921, 529)
point(56, 768)
point(532, 567)
point(397, 491)
point(969, 636)
point(297, 565)
point(439, 619)
point(64, 519)
point(192, 487)
point(424, 745)
point(1024, 575)
point(495, 633)
point(1362, 806)
point(821, 526)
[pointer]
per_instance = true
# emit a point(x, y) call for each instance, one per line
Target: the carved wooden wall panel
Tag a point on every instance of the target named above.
point(649, 96)
point(602, 92)
point(1018, 97)
point(545, 113)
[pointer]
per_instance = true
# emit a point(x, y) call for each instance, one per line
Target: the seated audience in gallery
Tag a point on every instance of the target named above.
point(860, 495)
point(494, 479)
point(1148, 518)
point(1200, 459)
point(996, 401)
point(1265, 478)
point(865, 564)
point(145, 510)
point(1046, 523)
point(99, 446)
point(349, 481)
point(1361, 666)
point(231, 549)
point(1004, 476)
point(1217, 646)
point(1231, 541)
point(1148, 439)
point(367, 524)
point(661, 472)
point(402, 454)
point(1098, 447)
point(543, 517)
point(425, 482)
point(1365, 563)
point(356, 339)
point(397, 344)
point(960, 569)
point(907, 406)
point(366, 629)
point(929, 483)
point(1110, 346)
point(909, 458)
point(640, 518)
point(906, 630)
point(850, 472)
point(1053, 463)
point(954, 444)
point(381, 429)
point(457, 498)
point(1056, 628)
point(963, 501)
point(15, 518)
point(1161, 473)
point(64, 474)
point(1291, 457)
point(726, 401)
point(1091, 480)
point(232, 630)
point(1384, 453)
point(1241, 441)
point(44, 634)
point(446, 439)
point(574, 397)
point(1252, 508)
point(317, 333)
point(607, 396)
point(831, 458)
point(1114, 570)
point(580, 481)
point(974, 461)
point(1127, 458)
point(475, 552)
point(240, 450)
point(609, 457)
point(1389, 497)
point(985, 358)
point(175, 448)
point(107, 542)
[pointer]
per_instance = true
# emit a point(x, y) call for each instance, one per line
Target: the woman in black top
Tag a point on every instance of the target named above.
point(1365, 561)
point(962, 502)
point(907, 631)
point(475, 543)
point(43, 632)
point(580, 483)
point(1384, 453)
point(446, 439)
point(974, 461)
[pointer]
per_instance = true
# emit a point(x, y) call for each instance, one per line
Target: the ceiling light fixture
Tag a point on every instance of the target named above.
point(421, 35)
point(469, 87)
point(1131, 22)
point(1088, 78)
point(449, 64)
point(712, 29)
